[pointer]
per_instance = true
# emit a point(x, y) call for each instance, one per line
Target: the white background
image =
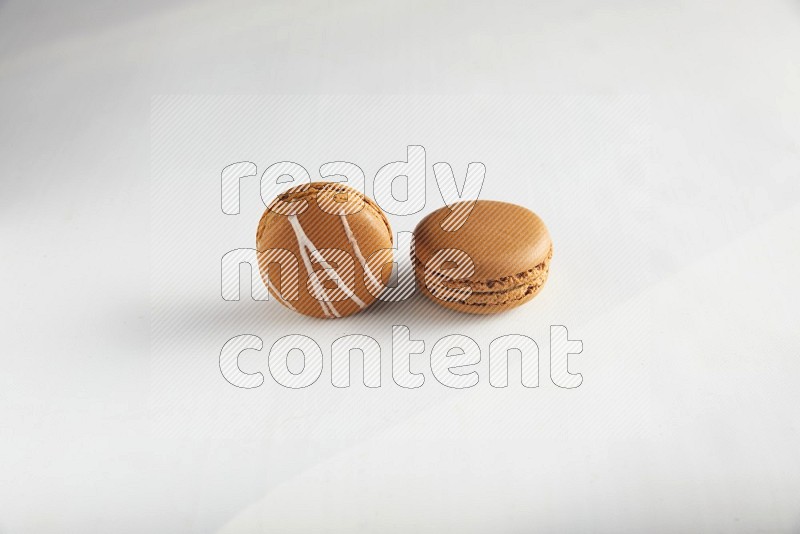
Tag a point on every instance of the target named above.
point(664, 155)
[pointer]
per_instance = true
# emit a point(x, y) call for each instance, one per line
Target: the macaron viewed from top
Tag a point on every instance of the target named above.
point(324, 249)
point(495, 260)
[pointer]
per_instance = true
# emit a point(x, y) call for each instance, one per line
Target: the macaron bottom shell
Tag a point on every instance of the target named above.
point(483, 302)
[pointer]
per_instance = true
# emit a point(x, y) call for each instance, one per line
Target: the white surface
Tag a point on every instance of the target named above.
point(687, 418)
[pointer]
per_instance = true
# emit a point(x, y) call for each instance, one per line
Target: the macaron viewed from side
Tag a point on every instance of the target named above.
point(495, 260)
point(324, 250)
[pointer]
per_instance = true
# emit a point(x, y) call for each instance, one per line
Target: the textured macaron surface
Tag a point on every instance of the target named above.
point(339, 231)
point(509, 246)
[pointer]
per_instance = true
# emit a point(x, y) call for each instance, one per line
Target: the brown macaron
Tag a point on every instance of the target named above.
point(498, 259)
point(324, 249)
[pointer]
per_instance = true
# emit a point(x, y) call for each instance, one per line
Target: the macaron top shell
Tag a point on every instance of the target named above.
point(503, 240)
point(327, 230)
